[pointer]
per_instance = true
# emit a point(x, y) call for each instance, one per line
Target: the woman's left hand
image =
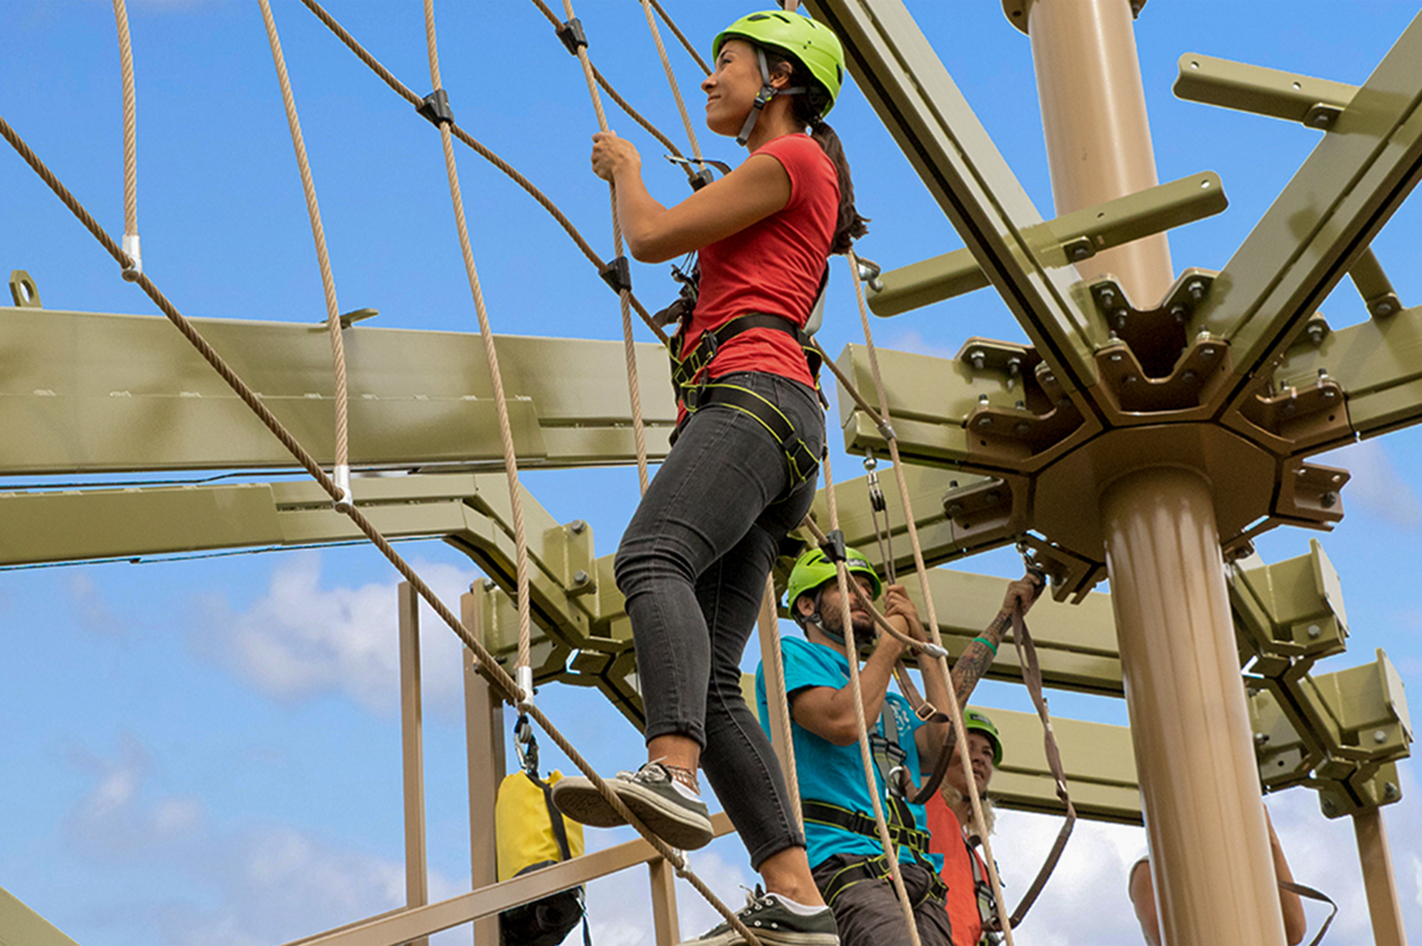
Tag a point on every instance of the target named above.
point(612, 155)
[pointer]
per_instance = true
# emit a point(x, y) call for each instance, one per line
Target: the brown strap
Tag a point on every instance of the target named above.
point(1313, 894)
point(1032, 676)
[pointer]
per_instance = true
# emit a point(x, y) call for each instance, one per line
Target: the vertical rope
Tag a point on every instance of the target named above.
point(500, 403)
point(866, 757)
point(130, 142)
point(671, 80)
point(954, 711)
point(776, 697)
point(323, 259)
point(633, 388)
point(681, 36)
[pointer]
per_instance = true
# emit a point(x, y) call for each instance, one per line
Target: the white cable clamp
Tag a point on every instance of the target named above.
point(933, 650)
point(130, 246)
point(345, 502)
point(524, 676)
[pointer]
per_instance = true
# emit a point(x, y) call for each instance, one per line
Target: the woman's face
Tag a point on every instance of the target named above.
point(731, 89)
point(980, 756)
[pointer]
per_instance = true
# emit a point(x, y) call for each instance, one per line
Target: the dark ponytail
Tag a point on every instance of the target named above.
point(807, 109)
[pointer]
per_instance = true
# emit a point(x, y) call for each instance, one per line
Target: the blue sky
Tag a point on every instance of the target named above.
point(207, 751)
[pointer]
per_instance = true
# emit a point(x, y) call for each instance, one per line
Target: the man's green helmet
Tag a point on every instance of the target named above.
point(813, 44)
point(976, 721)
point(813, 568)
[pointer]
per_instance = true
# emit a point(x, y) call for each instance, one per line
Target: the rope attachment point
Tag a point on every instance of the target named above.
point(524, 675)
point(833, 546)
point(617, 274)
point(572, 35)
point(435, 107)
point(345, 503)
point(130, 246)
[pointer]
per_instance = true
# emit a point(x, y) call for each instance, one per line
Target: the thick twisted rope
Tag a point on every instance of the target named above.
point(486, 664)
point(501, 408)
point(775, 696)
point(386, 76)
point(671, 81)
point(634, 393)
point(323, 259)
point(681, 36)
point(865, 755)
point(954, 711)
point(130, 141)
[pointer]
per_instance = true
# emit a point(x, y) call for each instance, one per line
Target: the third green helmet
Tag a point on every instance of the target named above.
point(976, 721)
point(813, 568)
point(812, 43)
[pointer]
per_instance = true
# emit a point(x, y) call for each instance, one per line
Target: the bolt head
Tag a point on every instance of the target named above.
point(1189, 377)
point(1021, 428)
point(1130, 379)
point(1380, 736)
point(578, 526)
point(1328, 500)
point(1117, 358)
point(1049, 378)
point(1314, 632)
point(580, 577)
point(1329, 807)
point(1384, 308)
point(1391, 791)
point(984, 421)
point(1260, 738)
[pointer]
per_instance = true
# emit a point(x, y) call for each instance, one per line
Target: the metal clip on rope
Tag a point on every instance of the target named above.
point(345, 502)
point(130, 246)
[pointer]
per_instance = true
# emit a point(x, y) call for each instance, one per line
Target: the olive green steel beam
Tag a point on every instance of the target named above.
point(1357, 176)
point(1262, 91)
point(1080, 235)
point(1099, 760)
point(89, 393)
point(897, 70)
point(21, 926)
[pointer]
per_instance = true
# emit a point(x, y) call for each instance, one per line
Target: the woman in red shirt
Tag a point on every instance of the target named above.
point(693, 562)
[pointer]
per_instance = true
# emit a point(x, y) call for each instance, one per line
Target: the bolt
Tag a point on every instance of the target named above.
point(1049, 378)
point(1314, 632)
point(1329, 394)
point(870, 463)
point(1315, 333)
point(1178, 311)
point(955, 509)
point(1116, 357)
point(1108, 296)
point(1020, 405)
point(1383, 308)
point(578, 526)
point(1121, 318)
point(993, 496)
point(1260, 738)
point(1080, 252)
point(1189, 377)
point(984, 421)
point(1130, 379)
point(1207, 353)
point(1196, 288)
point(977, 358)
point(580, 577)
point(489, 584)
point(1380, 736)
point(1329, 808)
point(1021, 428)
point(1328, 499)
point(982, 399)
point(1014, 366)
point(1391, 791)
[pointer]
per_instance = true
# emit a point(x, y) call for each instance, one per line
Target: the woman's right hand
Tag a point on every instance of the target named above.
point(612, 155)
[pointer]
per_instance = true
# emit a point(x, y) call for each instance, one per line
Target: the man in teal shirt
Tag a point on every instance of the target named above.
point(844, 850)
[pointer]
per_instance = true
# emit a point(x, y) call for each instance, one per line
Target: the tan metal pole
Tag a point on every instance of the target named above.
point(417, 890)
point(666, 928)
point(1209, 843)
point(1383, 906)
point(484, 732)
point(1095, 124)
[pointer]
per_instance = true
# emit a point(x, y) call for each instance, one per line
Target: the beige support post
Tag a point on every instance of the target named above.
point(484, 732)
point(1097, 132)
point(664, 919)
point(1383, 907)
point(1210, 859)
point(417, 890)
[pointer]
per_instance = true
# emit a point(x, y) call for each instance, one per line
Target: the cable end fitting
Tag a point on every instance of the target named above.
point(933, 650)
point(130, 247)
point(345, 502)
point(524, 676)
point(618, 275)
point(886, 430)
point(435, 107)
point(572, 35)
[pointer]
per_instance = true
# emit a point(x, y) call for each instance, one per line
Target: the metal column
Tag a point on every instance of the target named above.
point(484, 731)
point(417, 890)
point(1383, 906)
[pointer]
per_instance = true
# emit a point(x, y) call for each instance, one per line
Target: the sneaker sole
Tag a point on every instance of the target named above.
point(579, 799)
point(666, 819)
point(769, 938)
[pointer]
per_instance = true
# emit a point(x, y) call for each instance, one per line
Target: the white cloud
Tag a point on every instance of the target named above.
point(301, 639)
point(913, 341)
point(1375, 486)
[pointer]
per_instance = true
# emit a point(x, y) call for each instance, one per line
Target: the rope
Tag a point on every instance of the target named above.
point(328, 281)
point(671, 80)
point(525, 635)
point(681, 36)
point(130, 141)
point(629, 349)
point(954, 711)
point(482, 150)
point(865, 756)
point(485, 661)
point(776, 697)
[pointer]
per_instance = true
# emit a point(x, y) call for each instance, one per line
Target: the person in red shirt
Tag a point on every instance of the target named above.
point(972, 911)
point(694, 560)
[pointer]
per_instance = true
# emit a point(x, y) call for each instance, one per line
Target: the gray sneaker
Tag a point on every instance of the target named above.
point(652, 796)
point(775, 925)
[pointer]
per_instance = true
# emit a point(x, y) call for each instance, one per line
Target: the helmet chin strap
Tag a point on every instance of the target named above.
point(762, 98)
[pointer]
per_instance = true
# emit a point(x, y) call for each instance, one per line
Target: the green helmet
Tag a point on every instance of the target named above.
point(813, 568)
point(812, 43)
point(977, 721)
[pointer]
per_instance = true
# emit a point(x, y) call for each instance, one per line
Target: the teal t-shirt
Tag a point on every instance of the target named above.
point(835, 774)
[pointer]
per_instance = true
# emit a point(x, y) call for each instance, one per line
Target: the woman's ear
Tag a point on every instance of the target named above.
point(780, 75)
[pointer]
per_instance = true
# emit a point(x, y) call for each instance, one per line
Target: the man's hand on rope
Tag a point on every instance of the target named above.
point(899, 611)
point(1022, 594)
point(612, 156)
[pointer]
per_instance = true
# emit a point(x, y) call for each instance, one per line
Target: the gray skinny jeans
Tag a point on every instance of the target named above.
point(692, 566)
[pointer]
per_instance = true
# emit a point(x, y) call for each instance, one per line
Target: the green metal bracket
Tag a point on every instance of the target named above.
point(1080, 235)
point(1316, 103)
point(1289, 610)
point(21, 926)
